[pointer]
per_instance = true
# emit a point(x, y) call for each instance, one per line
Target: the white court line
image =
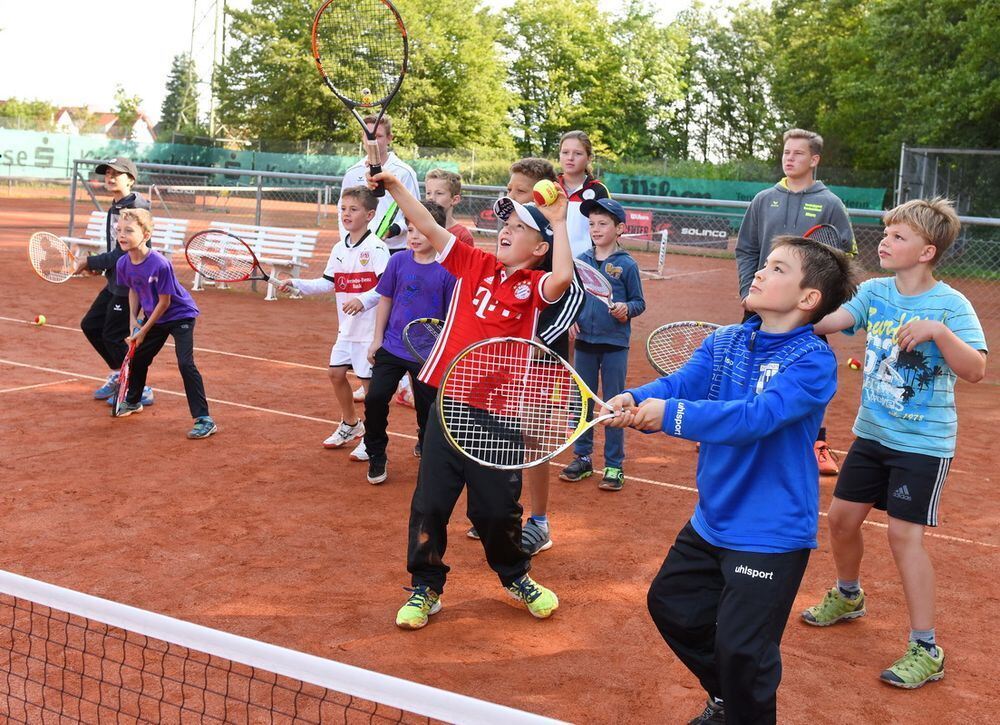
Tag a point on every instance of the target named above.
point(662, 484)
point(39, 385)
point(197, 349)
point(689, 274)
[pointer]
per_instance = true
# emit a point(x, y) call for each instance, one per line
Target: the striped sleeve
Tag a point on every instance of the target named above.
point(567, 312)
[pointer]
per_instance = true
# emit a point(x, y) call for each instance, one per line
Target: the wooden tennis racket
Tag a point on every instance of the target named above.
point(361, 51)
point(670, 346)
point(594, 282)
point(510, 403)
point(420, 335)
point(51, 257)
point(224, 257)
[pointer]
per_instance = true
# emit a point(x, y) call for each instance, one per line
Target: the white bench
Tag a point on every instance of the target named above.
point(168, 235)
point(275, 247)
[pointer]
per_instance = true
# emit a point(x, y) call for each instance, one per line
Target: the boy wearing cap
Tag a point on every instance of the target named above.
point(494, 296)
point(603, 334)
point(106, 322)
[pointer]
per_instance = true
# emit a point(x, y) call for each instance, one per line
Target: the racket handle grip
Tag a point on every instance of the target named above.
point(379, 189)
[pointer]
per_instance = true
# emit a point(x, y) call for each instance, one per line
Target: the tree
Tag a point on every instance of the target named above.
point(455, 93)
point(179, 112)
point(127, 109)
point(37, 113)
point(573, 66)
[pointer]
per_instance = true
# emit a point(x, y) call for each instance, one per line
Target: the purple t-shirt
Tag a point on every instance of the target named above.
point(417, 290)
point(152, 277)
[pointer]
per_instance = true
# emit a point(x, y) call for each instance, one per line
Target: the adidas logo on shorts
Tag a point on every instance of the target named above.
point(902, 493)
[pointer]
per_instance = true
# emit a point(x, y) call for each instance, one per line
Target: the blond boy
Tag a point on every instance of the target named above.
point(921, 335)
point(445, 189)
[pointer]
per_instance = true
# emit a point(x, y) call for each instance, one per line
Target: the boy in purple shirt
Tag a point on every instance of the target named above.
point(169, 310)
point(413, 285)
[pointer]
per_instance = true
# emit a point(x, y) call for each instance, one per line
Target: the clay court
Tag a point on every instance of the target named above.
point(261, 532)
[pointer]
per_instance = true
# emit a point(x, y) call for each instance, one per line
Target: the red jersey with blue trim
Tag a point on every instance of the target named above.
point(486, 302)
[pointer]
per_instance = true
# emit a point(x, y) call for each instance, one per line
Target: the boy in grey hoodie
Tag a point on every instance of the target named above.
point(792, 206)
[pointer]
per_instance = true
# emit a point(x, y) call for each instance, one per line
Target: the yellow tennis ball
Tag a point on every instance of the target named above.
point(853, 363)
point(40, 320)
point(545, 193)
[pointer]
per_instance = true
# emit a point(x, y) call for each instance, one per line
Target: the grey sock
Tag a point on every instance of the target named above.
point(850, 588)
point(925, 638)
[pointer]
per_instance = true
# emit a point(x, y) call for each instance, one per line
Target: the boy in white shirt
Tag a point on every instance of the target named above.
point(354, 267)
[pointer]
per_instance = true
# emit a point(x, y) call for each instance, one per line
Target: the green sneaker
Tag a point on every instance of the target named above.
point(835, 607)
point(422, 603)
point(541, 602)
point(916, 668)
point(614, 480)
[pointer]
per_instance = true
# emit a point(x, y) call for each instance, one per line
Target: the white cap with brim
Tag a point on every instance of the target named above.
point(527, 213)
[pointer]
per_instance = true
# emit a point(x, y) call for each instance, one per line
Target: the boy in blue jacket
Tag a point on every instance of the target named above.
point(753, 395)
point(602, 337)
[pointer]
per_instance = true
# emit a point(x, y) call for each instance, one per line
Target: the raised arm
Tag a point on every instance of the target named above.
point(412, 209)
point(562, 256)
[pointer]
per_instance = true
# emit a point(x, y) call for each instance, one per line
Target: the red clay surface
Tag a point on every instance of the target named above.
point(261, 532)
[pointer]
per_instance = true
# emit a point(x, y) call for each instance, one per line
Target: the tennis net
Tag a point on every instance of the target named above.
point(71, 657)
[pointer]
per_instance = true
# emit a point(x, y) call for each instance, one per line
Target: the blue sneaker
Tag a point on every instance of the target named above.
point(146, 399)
point(203, 427)
point(109, 389)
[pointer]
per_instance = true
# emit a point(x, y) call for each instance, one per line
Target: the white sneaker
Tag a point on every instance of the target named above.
point(344, 434)
point(359, 394)
point(360, 453)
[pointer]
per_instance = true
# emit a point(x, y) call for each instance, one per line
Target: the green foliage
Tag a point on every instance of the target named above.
point(179, 112)
point(40, 112)
point(453, 94)
point(571, 66)
point(127, 108)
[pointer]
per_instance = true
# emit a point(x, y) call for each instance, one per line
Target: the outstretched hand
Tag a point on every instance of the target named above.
point(556, 211)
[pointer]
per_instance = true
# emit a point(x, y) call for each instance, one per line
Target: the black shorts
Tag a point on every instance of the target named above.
point(907, 486)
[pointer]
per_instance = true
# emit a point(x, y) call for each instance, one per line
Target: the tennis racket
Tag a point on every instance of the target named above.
point(51, 257)
point(123, 377)
point(511, 403)
point(594, 282)
point(364, 45)
point(670, 346)
point(420, 334)
point(827, 234)
point(224, 257)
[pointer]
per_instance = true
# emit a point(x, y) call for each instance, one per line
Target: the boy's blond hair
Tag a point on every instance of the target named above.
point(364, 196)
point(453, 180)
point(386, 121)
point(814, 139)
point(142, 217)
point(934, 219)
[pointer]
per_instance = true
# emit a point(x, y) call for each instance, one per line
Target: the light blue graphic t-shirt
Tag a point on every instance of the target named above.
point(908, 398)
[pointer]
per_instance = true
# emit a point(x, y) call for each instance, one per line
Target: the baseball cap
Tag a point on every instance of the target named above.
point(121, 164)
point(609, 205)
point(527, 213)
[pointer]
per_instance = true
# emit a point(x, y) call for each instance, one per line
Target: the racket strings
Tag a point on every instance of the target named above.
point(826, 234)
point(508, 404)
point(593, 281)
point(669, 348)
point(421, 335)
point(50, 256)
point(219, 256)
point(363, 46)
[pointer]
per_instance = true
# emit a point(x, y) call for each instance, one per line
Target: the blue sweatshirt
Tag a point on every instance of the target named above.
point(596, 323)
point(755, 401)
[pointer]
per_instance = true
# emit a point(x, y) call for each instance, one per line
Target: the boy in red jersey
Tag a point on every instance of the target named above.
point(494, 296)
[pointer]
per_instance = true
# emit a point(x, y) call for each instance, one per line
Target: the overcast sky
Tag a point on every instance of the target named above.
point(74, 53)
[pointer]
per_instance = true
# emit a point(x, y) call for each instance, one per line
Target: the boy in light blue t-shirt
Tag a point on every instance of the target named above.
point(922, 335)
